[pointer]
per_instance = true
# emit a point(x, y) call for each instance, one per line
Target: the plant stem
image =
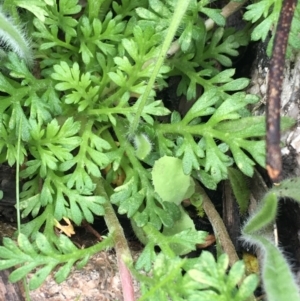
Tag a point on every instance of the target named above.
point(18, 163)
point(180, 129)
point(276, 71)
point(199, 130)
point(218, 226)
point(180, 10)
point(12, 36)
point(106, 111)
point(122, 250)
point(18, 177)
point(227, 11)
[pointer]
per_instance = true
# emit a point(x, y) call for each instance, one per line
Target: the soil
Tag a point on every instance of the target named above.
point(98, 281)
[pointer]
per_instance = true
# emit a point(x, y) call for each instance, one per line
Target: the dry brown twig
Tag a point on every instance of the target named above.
point(276, 72)
point(218, 226)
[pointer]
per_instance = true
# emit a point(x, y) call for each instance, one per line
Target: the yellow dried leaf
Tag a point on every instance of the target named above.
point(66, 229)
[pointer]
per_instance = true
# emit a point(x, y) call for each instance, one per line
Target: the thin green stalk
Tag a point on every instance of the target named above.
point(25, 284)
point(26, 287)
point(66, 45)
point(179, 12)
point(180, 129)
point(18, 177)
point(106, 111)
point(195, 130)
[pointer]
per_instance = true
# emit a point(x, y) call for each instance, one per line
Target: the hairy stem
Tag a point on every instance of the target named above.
point(13, 37)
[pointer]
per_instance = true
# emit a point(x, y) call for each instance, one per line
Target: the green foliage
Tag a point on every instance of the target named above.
point(176, 188)
point(89, 112)
point(173, 243)
point(264, 14)
point(183, 225)
point(276, 273)
point(288, 188)
point(46, 256)
point(240, 188)
point(265, 215)
point(269, 10)
point(203, 278)
point(197, 146)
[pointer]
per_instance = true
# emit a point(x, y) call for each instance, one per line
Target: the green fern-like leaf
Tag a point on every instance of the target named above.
point(45, 255)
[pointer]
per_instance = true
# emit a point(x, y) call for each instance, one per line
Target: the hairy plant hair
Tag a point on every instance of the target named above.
point(14, 38)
